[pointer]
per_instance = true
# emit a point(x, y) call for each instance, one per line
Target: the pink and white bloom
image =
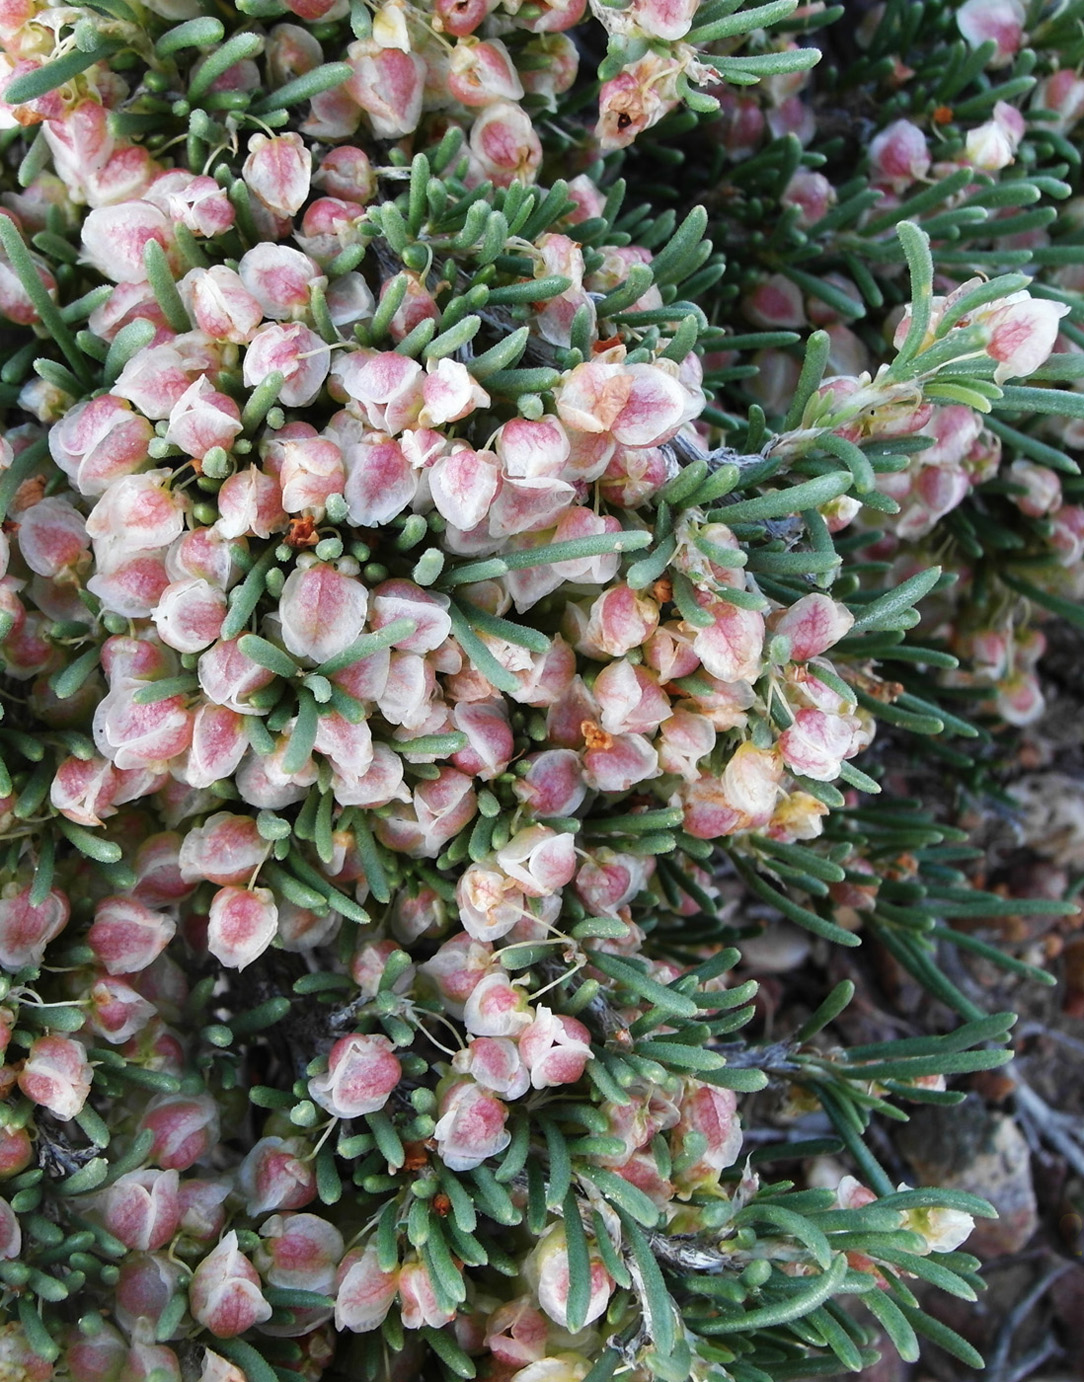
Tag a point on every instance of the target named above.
point(56, 1075)
point(548, 1271)
point(224, 1295)
point(364, 1293)
point(555, 1048)
point(495, 1007)
point(540, 860)
point(127, 936)
point(26, 928)
point(276, 1175)
point(185, 1128)
point(322, 611)
point(362, 1072)
point(471, 1126)
point(299, 1252)
point(278, 171)
point(812, 625)
point(241, 924)
point(226, 849)
point(899, 156)
point(1001, 21)
point(142, 1209)
point(992, 146)
point(301, 357)
point(496, 1064)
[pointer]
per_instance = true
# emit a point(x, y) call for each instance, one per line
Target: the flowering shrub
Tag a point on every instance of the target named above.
point(411, 609)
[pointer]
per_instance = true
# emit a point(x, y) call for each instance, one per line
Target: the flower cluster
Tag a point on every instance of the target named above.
point(396, 652)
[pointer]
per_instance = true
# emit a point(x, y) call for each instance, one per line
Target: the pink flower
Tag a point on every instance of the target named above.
point(99, 441)
point(517, 1333)
point(540, 860)
point(552, 784)
point(220, 304)
point(380, 481)
point(775, 302)
point(482, 72)
point(495, 1007)
point(620, 619)
point(56, 1074)
point(743, 799)
point(312, 469)
point(226, 849)
point(456, 968)
point(992, 146)
point(277, 171)
point(1021, 332)
point(27, 928)
point(297, 353)
point(686, 739)
point(137, 513)
point(202, 418)
point(1062, 92)
point(813, 624)
point(300, 1252)
point(555, 1048)
point(730, 647)
point(471, 1126)
point(116, 1011)
point(494, 1063)
point(450, 393)
point(143, 1209)
point(362, 1072)
point(114, 238)
point(388, 85)
point(241, 925)
point(278, 279)
point(548, 1271)
point(185, 1129)
point(322, 611)
point(638, 405)
point(418, 1300)
point(250, 501)
point(637, 98)
point(189, 615)
point(630, 699)
point(490, 744)
point(194, 201)
point(203, 1214)
point(388, 387)
point(1000, 20)
point(227, 676)
point(504, 145)
point(490, 903)
point(52, 537)
point(899, 156)
point(463, 485)
point(816, 744)
point(711, 1113)
point(364, 1293)
point(224, 1295)
point(275, 1175)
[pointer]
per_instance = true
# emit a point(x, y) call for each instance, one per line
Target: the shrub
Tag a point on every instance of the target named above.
point(436, 571)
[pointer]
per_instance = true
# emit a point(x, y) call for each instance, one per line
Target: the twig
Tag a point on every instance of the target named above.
point(999, 1362)
point(1047, 1124)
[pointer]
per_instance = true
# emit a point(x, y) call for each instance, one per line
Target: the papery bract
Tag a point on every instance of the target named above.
point(362, 1072)
point(242, 923)
point(56, 1075)
point(224, 1294)
point(471, 1126)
